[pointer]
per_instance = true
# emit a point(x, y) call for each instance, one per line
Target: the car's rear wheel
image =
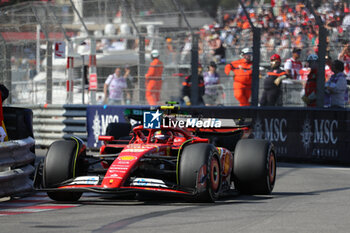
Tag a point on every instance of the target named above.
point(200, 169)
point(61, 164)
point(254, 170)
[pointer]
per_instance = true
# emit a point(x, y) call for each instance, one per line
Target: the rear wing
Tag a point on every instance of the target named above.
point(175, 112)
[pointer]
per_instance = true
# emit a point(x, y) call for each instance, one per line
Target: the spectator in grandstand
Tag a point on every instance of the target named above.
point(113, 88)
point(211, 83)
point(186, 49)
point(218, 49)
point(327, 68)
point(130, 85)
point(170, 51)
point(242, 70)
point(292, 66)
point(4, 93)
point(154, 79)
point(345, 57)
point(304, 72)
point(283, 48)
point(118, 44)
point(346, 22)
point(272, 88)
point(310, 96)
point(32, 71)
point(186, 88)
point(336, 90)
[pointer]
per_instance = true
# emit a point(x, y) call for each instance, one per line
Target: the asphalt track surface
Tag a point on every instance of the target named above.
point(306, 198)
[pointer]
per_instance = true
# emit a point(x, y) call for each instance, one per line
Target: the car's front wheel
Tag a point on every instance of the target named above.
point(200, 169)
point(61, 164)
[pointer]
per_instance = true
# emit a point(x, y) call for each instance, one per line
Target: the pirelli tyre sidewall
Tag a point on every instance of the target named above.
point(254, 169)
point(61, 164)
point(200, 169)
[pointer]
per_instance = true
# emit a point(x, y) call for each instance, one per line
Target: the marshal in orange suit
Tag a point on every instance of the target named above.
point(242, 69)
point(154, 79)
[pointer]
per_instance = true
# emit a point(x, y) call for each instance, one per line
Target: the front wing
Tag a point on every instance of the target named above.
point(184, 192)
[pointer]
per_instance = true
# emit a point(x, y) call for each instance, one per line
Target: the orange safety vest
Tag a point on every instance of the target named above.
point(243, 73)
point(2, 124)
point(155, 70)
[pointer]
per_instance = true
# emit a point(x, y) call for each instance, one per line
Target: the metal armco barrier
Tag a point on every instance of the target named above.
point(54, 122)
point(16, 166)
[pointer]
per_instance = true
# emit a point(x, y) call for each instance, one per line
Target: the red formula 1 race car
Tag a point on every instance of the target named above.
point(199, 164)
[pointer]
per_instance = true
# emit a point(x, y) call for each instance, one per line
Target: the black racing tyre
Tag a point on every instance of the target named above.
point(254, 169)
point(201, 161)
point(60, 165)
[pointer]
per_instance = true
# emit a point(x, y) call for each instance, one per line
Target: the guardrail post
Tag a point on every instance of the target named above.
point(141, 69)
point(194, 70)
point(70, 65)
point(7, 73)
point(322, 51)
point(256, 62)
point(92, 67)
point(49, 73)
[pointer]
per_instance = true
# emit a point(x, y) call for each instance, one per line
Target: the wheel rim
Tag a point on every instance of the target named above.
point(214, 174)
point(272, 168)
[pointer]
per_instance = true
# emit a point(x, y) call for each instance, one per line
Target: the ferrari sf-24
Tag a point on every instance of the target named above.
point(199, 164)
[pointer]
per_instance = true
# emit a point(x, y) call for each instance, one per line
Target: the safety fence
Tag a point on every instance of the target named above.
point(38, 38)
point(30, 92)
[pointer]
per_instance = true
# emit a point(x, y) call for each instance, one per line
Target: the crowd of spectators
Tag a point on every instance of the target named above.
point(287, 25)
point(284, 26)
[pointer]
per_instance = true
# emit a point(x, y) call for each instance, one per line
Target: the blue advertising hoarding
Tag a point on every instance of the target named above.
point(98, 118)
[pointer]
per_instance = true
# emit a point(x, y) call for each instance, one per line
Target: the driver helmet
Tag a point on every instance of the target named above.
point(161, 136)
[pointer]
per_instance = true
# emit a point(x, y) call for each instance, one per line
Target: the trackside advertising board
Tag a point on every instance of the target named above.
point(98, 118)
point(311, 135)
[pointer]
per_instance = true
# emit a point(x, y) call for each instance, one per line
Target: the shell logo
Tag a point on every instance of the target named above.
point(127, 158)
